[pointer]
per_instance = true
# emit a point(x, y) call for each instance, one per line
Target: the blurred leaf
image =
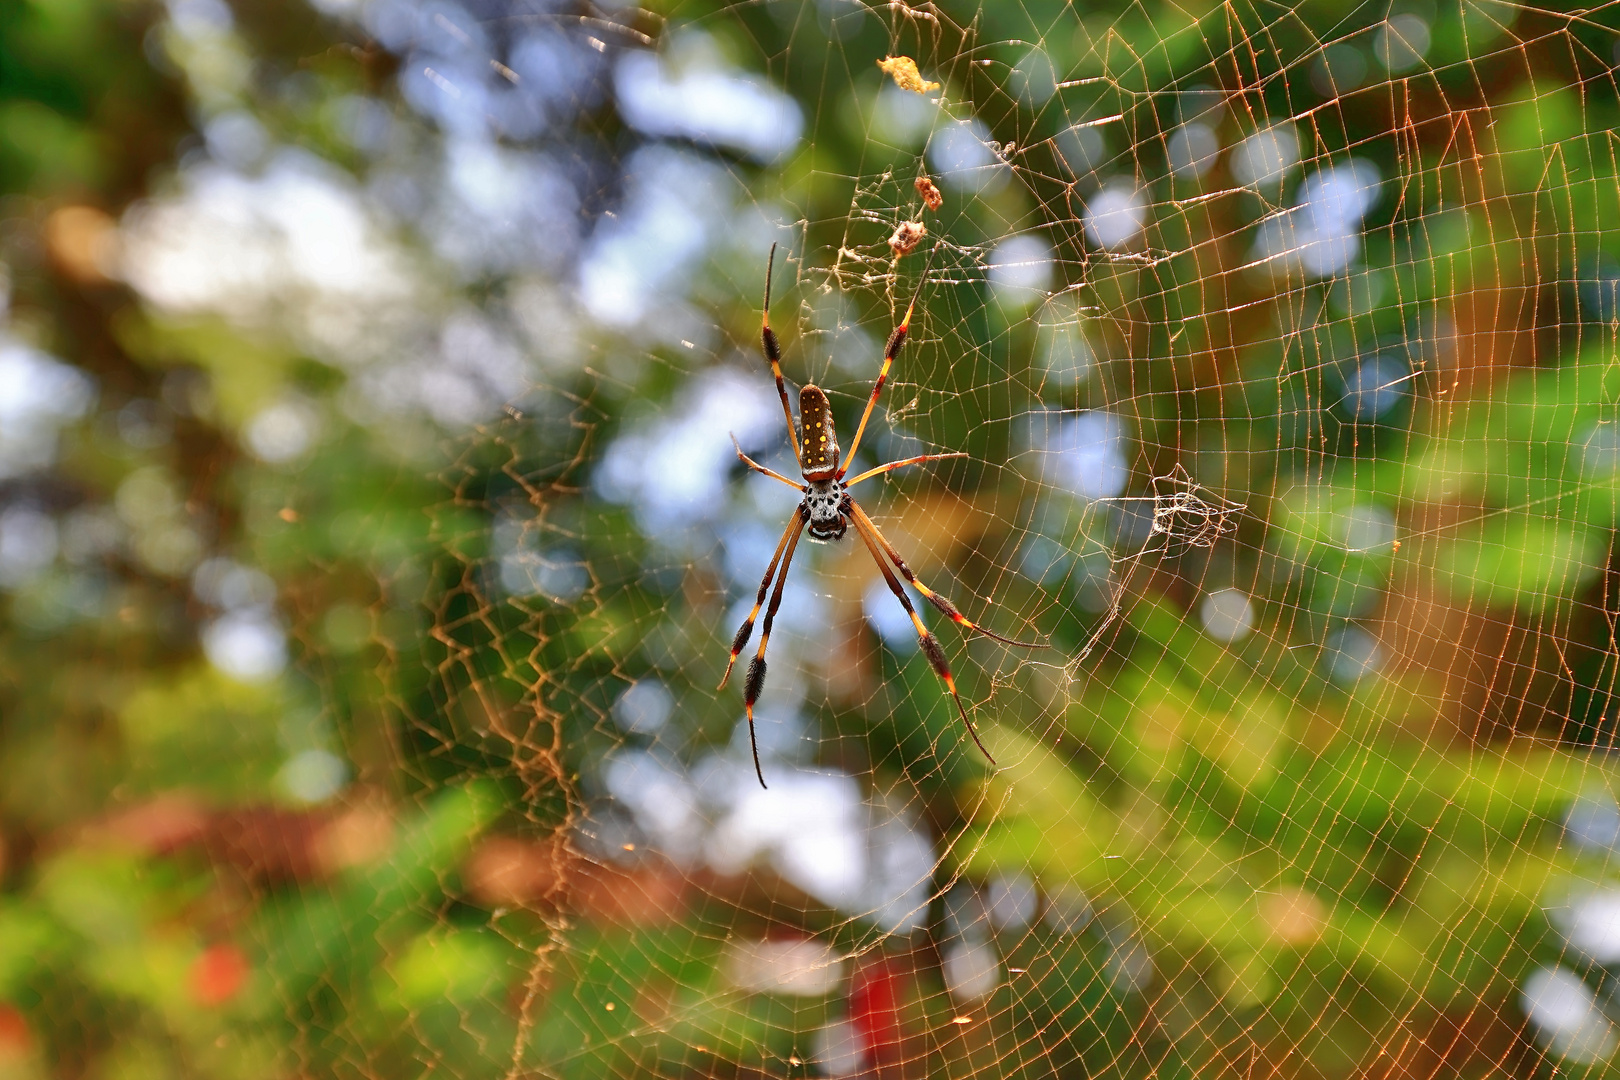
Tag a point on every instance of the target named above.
point(203, 730)
point(308, 936)
point(1539, 117)
point(44, 150)
point(1519, 560)
point(458, 966)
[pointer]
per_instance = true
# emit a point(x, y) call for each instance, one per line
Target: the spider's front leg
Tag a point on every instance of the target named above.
point(757, 467)
point(773, 354)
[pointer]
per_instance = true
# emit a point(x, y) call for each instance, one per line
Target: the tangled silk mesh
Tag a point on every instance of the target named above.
point(1279, 342)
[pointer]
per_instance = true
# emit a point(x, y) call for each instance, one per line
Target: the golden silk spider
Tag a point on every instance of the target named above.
point(828, 510)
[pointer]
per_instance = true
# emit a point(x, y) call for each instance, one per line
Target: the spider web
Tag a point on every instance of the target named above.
point(1278, 342)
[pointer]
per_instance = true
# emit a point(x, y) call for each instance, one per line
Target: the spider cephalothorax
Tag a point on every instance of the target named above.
point(827, 512)
point(826, 505)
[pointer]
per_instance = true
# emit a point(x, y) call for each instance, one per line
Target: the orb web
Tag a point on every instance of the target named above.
point(1276, 344)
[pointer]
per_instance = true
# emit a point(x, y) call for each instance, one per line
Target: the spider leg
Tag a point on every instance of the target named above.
point(896, 339)
point(757, 467)
point(773, 353)
point(755, 682)
point(929, 643)
point(891, 466)
point(864, 522)
point(746, 630)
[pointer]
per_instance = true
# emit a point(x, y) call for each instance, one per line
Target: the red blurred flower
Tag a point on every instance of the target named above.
point(874, 1009)
point(16, 1038)
point(218, 974)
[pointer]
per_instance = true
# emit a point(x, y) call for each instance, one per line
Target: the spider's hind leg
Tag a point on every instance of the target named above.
point(746, 630)
point(929, 643)
point(755, 680)
point(943, 603)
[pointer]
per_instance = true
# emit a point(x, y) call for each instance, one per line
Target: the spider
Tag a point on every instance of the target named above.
point(827, 512)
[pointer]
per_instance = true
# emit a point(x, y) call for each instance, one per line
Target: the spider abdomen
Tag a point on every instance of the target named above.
point(819, 439)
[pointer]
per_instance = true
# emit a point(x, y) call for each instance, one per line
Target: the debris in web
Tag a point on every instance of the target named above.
point(931, 196)
point(907, 235)
point(903, 70)
point(1186, 515)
